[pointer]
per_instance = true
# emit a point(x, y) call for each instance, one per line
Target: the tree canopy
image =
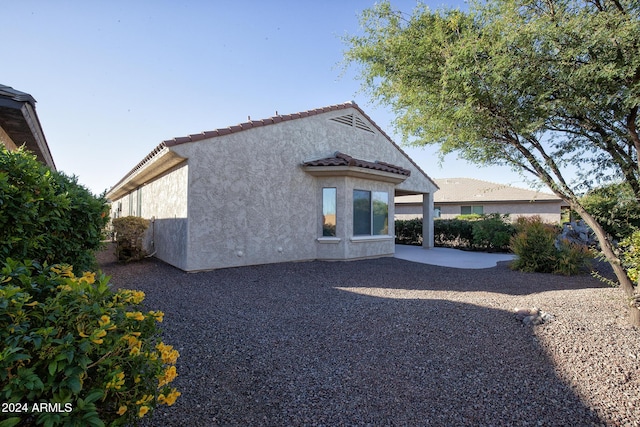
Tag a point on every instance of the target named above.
point(525, 83)
point(539, 85)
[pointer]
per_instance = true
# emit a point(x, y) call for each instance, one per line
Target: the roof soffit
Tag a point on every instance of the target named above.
point(155, 164)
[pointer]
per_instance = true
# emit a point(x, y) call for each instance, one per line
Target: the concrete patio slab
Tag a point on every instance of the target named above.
point(447, 257)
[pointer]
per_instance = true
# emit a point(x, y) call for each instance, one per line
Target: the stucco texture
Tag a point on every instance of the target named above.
point(244, 198)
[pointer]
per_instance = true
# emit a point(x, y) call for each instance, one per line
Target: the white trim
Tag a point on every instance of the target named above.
point(328, 240)
point(377, 238)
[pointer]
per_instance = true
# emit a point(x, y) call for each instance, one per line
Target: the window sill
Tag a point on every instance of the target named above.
point(364, 239)
point(333, 240)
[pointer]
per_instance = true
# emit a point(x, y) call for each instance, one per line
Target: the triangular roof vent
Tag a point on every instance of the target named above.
point(353, 121)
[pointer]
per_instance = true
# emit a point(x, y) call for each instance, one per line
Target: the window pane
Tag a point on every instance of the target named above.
point(380, 213)
point(361, 212)
point(328, 211)
point(465, 210)
point(478, 210)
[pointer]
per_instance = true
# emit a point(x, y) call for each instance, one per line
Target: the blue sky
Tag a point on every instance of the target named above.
point(115, 78)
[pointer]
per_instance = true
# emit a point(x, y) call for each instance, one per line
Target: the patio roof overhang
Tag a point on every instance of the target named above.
point(344, 165)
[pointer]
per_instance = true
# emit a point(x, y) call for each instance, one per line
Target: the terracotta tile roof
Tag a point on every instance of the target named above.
point(341, 159)
point(263, 122)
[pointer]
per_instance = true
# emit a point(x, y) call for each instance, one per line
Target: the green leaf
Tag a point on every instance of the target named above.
point(10, 422)
point(53, 366)
point(74, 384)
point(93, 396)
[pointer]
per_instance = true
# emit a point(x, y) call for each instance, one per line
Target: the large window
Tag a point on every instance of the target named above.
point(329, 197)
point(468, 210)
point(370, 213)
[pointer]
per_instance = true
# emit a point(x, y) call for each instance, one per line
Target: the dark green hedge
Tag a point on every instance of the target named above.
point(46, 215)
point(487, 232)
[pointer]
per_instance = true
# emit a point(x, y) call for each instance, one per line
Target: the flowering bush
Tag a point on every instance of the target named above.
point(46, 215)
point(90, 355)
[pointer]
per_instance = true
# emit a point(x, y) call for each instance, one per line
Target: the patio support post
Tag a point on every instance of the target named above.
point(427, 220)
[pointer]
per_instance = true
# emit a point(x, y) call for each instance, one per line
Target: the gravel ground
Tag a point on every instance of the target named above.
point(390, 342)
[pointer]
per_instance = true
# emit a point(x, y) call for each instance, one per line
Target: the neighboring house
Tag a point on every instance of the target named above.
point(19, 124)
point(459, 196)
point(313, 185)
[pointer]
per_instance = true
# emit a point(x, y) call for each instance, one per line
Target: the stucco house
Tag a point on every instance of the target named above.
point(19, 124)
point(318, 184)
point(459, 196)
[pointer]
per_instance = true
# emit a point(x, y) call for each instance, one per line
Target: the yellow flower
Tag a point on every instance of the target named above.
point(98, 336)
point(64, 270)
point(158, 315)
point(81, 332)
point(122, 410)
point(104, 320)
point(137, 297)
point(136, 315)
point(88, 277)
point(143, 410)
point(145, 399)
point(116, 382)
point(32, 304)
point(169, 375)
point(171, 397)
point(167, 353)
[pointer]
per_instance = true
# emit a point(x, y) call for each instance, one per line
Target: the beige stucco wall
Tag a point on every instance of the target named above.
point(250, 201)
point(245, 199)
point(164, 203)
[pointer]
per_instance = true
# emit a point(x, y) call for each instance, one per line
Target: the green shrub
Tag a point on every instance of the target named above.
point(470, 217)
point(455, 233)
point(539, 250)
point(409, 232)
point(616, 209)
point(630, 256)
point(571, 258)
point(72, 341)
point(534, 245)
point(46, 215)
point(129, 232)
point(492, 232)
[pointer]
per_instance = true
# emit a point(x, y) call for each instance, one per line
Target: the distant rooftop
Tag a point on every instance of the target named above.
point(476, 190)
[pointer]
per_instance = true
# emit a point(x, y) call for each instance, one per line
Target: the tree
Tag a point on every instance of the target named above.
point(539, 85)
point(615, 207)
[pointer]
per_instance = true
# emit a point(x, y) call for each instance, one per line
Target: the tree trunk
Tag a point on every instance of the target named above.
point(607, 249)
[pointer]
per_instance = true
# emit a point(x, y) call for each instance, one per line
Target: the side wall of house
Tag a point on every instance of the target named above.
point(250, 201)
point(164, 202)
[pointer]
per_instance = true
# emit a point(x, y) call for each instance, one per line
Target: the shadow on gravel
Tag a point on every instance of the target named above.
point(282, 345)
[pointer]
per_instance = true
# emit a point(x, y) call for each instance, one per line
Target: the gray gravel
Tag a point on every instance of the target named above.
point(388, 342)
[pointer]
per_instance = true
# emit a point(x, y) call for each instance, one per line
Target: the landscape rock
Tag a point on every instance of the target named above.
point(532, 316)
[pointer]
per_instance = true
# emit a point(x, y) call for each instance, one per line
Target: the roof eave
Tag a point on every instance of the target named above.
point(355, 172)
point(163, 160)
